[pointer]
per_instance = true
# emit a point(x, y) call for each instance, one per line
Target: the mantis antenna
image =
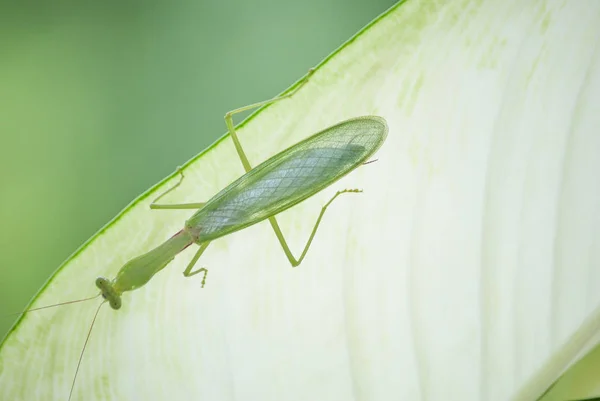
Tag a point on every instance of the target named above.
point(52, 306)
point(87, 338)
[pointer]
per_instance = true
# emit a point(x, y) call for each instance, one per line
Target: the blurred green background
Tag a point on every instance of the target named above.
point(101, 100)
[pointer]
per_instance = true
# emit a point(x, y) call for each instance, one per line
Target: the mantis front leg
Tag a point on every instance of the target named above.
point(188, 270)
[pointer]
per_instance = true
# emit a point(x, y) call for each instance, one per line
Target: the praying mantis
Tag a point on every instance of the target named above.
point(264, 191)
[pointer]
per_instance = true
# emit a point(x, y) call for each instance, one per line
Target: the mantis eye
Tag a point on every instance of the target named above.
point(102, 283)
point(115, 303)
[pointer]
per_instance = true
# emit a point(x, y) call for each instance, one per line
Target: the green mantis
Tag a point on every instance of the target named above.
point(273, 186)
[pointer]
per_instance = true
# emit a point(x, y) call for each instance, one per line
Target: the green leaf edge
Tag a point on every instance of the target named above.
point(153, 188)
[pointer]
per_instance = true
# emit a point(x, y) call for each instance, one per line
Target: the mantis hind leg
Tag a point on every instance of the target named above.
point(156, 206)
point(246, 163)
point(188, 270)
point(293, 261)
point(231, 128)
point(286, 249)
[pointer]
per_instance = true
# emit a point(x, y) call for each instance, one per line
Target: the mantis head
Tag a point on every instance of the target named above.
point(108, 292)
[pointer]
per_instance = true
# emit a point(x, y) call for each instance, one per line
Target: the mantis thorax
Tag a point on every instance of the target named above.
point(108, 292)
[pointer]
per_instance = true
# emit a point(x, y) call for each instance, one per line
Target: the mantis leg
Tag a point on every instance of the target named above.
point(238, 147)
point(240, 151)
point(156, 206)
point(229, 118)
point(293, 261)
point(188, 270)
